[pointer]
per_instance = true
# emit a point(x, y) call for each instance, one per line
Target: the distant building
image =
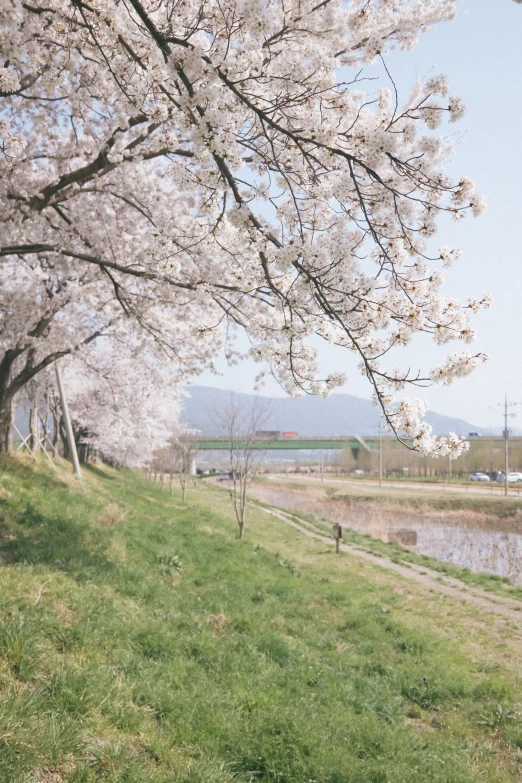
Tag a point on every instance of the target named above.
point(275, 434)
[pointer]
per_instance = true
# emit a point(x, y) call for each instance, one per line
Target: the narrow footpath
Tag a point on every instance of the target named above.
point(509, 608)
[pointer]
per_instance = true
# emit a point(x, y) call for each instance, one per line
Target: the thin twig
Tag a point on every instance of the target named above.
point(40, 591)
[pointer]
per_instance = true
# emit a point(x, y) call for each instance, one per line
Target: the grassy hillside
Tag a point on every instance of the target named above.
point(141, 642)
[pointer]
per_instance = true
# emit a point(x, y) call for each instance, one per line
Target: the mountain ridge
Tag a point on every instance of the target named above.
point(339, 414)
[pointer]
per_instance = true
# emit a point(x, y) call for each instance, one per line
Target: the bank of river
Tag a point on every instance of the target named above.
point(466, 540)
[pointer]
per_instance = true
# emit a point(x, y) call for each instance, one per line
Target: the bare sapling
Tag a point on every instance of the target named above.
point(184, 450)
point(242, 424)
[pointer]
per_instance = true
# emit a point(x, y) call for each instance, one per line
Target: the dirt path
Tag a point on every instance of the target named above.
point(508, 608)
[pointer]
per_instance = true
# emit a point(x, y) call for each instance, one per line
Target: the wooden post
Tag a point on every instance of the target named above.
point(338, 534)
point(68, 426)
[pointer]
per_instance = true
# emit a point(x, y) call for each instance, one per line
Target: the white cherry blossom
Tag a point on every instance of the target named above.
point(215, 165)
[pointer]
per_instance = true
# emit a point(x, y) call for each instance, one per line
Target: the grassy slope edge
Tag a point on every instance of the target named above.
point(397, 553)
point(140, 641)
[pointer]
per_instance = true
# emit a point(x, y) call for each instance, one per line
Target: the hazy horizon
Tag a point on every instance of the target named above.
point(473, 424)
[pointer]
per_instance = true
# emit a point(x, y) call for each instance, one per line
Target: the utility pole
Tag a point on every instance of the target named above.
point(68, 426)
point(507, 415)
point(380, 454)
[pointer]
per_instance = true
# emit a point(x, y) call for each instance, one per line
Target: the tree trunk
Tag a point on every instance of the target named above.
point(33, 426)
point(63, 436)
point(56, 432)
point(241, 529)
point(45, 427)
point(6, 400)
point(6, 425)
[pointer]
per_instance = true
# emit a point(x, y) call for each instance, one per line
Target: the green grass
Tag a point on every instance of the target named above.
point(142, 642)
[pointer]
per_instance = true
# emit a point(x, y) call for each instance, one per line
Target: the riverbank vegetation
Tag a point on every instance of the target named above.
point(498, 508)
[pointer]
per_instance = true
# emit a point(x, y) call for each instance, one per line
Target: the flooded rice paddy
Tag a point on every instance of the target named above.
point(462, 538)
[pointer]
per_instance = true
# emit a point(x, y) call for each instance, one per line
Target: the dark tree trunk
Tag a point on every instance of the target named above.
point(63, 436)
point(33, 426)
point(6, 401)
point(56, 431)
point(6, 424)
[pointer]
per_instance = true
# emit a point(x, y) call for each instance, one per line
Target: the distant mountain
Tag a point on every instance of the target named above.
point(340, 414)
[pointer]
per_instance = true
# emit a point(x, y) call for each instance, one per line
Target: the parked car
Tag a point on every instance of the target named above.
point(225, 476)
point(511, 477)
point(479, 477)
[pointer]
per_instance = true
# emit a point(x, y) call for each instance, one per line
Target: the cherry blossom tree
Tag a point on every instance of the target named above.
point(45, 312)
point(51, 307)
point(121, 402)
point(228, 160)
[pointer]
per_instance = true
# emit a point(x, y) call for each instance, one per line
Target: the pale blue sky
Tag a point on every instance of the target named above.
point(480, 52)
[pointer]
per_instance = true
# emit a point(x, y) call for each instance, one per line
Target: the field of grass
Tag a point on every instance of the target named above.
point(142, 642)
point(497, 507)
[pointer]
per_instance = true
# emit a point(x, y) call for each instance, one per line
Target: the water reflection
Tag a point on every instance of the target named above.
point(484, 550)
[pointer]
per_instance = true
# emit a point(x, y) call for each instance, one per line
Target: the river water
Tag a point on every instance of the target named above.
point(477, 548)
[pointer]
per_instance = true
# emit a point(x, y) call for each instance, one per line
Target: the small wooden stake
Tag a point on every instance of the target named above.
point(338, 532)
